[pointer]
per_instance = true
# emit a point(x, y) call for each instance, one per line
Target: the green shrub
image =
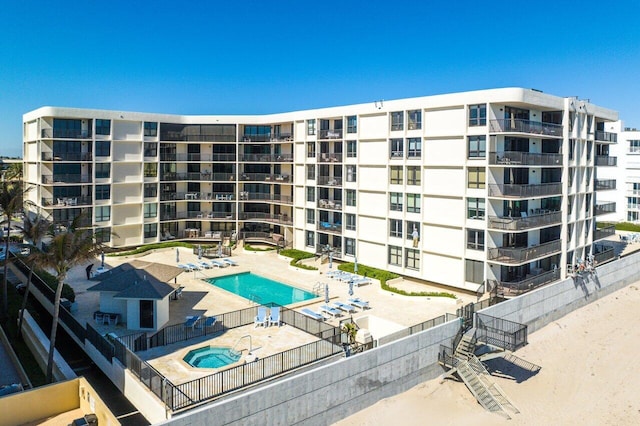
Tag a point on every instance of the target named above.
point(148, 247)
point(298, 255)
point(620, 226)
point(51, 280)
point(249, 247)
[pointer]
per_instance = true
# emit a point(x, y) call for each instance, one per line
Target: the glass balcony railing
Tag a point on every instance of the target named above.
point(515, 255)
point(516, 288)
point(330, 134)
point(67, 156)
point(605, 208)
point(283, 219)
point(266, 158)
point(266, 177)
point(513, 125)
point(525, 190)
point(67, 201)
point(602, 136)
point(260, 196)
point(329, 227)
point(66, 133)
point(329, 157)
point(524, 158)
point(328, 204)
point(602, 233)
point(605, 184)
point(329, 180)
point(603, 253)
point(605, 160)
point(202, 176)
point(65, 178)
point(506, 223)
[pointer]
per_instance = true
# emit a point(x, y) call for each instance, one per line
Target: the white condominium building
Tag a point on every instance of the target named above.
point(464, 189)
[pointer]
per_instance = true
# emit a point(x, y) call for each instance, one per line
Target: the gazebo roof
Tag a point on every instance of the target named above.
point(138, 280)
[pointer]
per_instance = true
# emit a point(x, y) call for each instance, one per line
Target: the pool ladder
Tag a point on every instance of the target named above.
point(317, 288)
point(255, 299)
point(233, 348)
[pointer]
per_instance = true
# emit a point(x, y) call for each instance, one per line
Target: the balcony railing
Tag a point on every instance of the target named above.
point(511, 125)
point(605, 208)
point(524, 158)
point(606, 136)
point(198, 157)
point(198, 215)
point(603, 254)
point(506, 223)
point(605, 184)
point(256, 138)
point(170, 176)
point(324, 203)
point(606, 232)
point(67, 156)
point(267, 217)
point(66, 133)
point(67, 201)
point(329, 157)
point(259, 196)
point(199, 196)
point(525, 190)
point(330, 134)
point(515, 288)
point(514, 255)
point(266, 177)
point(266, 158)
point(329, 227)
point(66, 178)
point(605, 160)
point(329, 180)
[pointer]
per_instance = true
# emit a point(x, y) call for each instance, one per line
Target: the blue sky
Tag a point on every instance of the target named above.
point(260, 56)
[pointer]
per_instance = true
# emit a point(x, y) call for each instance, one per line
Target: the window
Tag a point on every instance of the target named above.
point(413, 203)
point(395, 255)
point(475, 177)
point(311, 127)
point(103, 170)
point(413, 175)
point(634, 146)
point(352, 124)
point(311, 194)
point(150, 190)
point(414, 148)
point(311, 216)
point(474, 271)
point(633, 216)
point(395, 228)
point(309, 239)
point(350, 222)
point(412, 259)
point(352, 149)
point(477, 115)
point(103, 213)
point(475, 239)
point(150, 149)
point(397, 120)
point(351, 197)
point(475, 208)
point(150, 129)
point(102, 235)
point(350, 246)
point(150, 210)
point(311, 149)
point(477, 146)
point(150, 230)
point(311, 171)
point(103, 192)
point(395, 175)
point(396, 148)
point(103, 148)
point(395, 201)
point(150, 169)
point(410, 228)
point(414, 119)
point(352, 173)
point(103, 127)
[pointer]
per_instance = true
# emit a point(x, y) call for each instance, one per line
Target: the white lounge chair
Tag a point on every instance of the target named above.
point(205, 265)
point(309, 313)
point(193, 266)
point(361, 281)
point(185, 267)
point(230, 262)
point(261, 317)
point(344, 307)
point(330, 310)
point(362, 304)
point(219, 264)
point(274, 317)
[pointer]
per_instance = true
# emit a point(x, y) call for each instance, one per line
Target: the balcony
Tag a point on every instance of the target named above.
point(329, 180)
point(605, 208)
point(266, 158)
point(507, 223)
point(266, 177)
point(330, 134)
point(605, 160)
point(259, 196)
point(525, 190)
point(329, 157)
point(66, 133)
point(603, 254)
point(524, 159)
point(198, 215)
point(198, 157)
point(511, 125)
point(196, 196)
point(516, 288)
point(256, 138)
point(330, 204)
point(334, 228)
point(602, 136)
point(67, 156)
point(605, 232)
point(605, 184)
point(281, 219)
point(67, 201)
point(65, 178)
point(194, 176)
point(517, 255)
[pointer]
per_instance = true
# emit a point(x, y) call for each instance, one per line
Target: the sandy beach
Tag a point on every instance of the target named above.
point(589, 376)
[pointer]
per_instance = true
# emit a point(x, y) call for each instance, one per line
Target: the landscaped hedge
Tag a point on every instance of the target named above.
point(298, 255)
point(249, 247)
point(148, 247)
point(384, 276)
point(620, 226)
point(52, 282)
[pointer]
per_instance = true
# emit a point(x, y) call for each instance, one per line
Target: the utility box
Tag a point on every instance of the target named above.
point(87, 420)
point(363, 336)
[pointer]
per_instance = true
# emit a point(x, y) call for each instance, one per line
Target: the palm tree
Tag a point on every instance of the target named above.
point(66, 249)
point(11, 199)
point(33, 230)
point(13, 172)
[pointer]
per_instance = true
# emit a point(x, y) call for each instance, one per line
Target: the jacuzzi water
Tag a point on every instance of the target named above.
point(211, 357)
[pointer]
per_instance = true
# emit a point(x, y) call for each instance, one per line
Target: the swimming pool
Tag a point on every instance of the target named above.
point(211, 357)
point(260, 289)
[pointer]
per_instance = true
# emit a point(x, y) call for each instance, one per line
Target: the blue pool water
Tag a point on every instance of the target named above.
point(211, 357)
point(260, 289)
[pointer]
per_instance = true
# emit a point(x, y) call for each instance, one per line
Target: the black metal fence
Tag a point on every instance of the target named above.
point(500, 332)
point(103, 346)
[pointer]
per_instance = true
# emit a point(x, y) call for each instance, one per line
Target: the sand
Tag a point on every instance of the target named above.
point(590, 376)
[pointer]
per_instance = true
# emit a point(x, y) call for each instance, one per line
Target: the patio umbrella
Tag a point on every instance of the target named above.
point(177, 255)
point(199, 252)
point(326, 293)
point(330, 259)
point(350, 288)
point(220, 249)
point(355, 265)
point(102, 258)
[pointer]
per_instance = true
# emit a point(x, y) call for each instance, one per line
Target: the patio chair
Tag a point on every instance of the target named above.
point(193, 266)
point(191, 321)
point(205, 265)
point(208, 322)
point(344, 307)
point(219, 263)
point(361, 281)
point(230, 262)
point(362, 304)
point(261, 318)
point(185, 267)
point(309, 313)
point(274, 317)
point(330, 310)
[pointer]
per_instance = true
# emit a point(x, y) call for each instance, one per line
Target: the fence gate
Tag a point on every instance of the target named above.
point(466, 313)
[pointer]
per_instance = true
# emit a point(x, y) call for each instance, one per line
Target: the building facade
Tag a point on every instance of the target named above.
point(485, 187)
